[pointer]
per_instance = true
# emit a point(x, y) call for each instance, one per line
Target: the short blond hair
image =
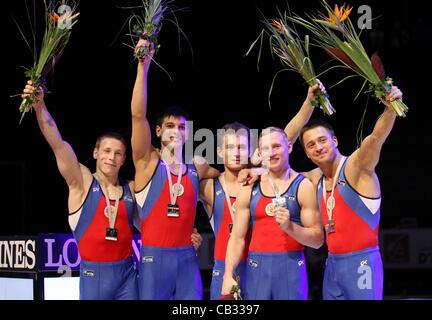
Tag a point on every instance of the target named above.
point(270, 130)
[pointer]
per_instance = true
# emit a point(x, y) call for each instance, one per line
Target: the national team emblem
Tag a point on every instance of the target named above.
point(127, 198)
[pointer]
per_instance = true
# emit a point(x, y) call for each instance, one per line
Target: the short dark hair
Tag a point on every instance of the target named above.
point(113, 135)
point(236, 128)
point(173, 111)
point(314, 123)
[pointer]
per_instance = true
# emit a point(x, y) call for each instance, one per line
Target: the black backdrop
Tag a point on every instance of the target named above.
point(92, 85)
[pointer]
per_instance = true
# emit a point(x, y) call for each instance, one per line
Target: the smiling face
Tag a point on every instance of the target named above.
point(274, 148)
point(110, 155)
point(320, 145)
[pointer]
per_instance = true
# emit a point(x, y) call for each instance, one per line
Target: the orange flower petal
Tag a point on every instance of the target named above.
point(336, 10)
point(277, 24)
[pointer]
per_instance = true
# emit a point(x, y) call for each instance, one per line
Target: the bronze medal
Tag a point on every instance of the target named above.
point(330, 226)
point(269, 209)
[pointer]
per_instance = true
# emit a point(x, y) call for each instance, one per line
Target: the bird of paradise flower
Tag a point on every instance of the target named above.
point(58, 29)
point(294, 55)
point(337, 35)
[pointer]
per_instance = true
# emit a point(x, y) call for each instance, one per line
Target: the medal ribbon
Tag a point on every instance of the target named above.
point(273, 184)
point(173, 194)
point(112, 215)
point(227, 197)
point(335, 179)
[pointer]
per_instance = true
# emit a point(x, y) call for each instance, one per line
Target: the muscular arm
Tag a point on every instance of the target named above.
point(293, 128)
point(141, 134)
point(311, 233)
point(206, 195)
point(367, 156)
point(142, 150)
point(236, 242)
point(77, 176)
point(205, 171)
point(136, 220)
point(314, 176)
point(364, 160)
point(67, 162)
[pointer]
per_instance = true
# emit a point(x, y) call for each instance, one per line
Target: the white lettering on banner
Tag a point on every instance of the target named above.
point(17, 254)
point(55, 253)
point(8, 254)
point(31, 253)
point(19, 260)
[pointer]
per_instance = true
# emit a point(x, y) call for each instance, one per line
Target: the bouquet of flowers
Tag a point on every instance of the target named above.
point(147, 25)
point(337, 35)
point(60, 17)
point(294, 54)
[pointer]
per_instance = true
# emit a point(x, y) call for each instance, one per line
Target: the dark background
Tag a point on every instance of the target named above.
point(92, 84)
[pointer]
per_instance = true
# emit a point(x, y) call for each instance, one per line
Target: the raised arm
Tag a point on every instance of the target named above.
point(367, 156)
point(293, 128)
point(311, 233)
point(236, 242)
point(141, 134)
point(67, 162)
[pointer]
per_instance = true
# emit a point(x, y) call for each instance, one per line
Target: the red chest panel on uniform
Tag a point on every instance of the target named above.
point(267, 236)
point(94, 247)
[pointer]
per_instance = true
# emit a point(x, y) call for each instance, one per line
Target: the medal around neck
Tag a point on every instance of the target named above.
point(178, 189)
point(269, 209)
point(331, 202)
point(109, 212)
point(111, 234)
point(330, 226)
point(279, 202)
point(173, 210)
